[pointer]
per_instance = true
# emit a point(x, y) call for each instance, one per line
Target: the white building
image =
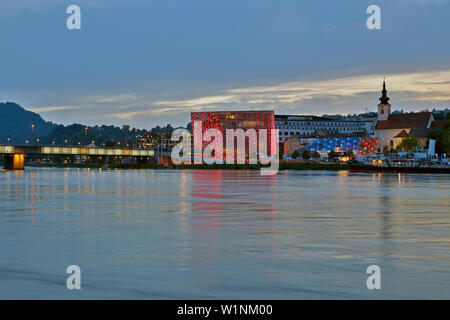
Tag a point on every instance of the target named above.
point(307, 125)
point(391, 128)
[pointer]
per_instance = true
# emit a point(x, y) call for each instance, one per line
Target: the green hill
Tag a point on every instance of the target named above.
point(15, 124)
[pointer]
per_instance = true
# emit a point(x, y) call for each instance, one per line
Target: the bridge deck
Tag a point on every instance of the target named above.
point(88, 151)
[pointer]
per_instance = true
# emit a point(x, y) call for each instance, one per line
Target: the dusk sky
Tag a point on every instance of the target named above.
point(151, 62)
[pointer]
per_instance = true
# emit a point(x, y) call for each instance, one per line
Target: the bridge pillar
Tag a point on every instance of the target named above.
point(14, 162)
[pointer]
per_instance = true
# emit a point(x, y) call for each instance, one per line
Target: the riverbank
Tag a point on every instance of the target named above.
point(283, 166)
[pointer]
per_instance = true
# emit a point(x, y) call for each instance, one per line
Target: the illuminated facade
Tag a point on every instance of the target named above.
point(222, 120)
point(360, 146)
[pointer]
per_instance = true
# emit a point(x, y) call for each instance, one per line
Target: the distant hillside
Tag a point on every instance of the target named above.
point(15, 124)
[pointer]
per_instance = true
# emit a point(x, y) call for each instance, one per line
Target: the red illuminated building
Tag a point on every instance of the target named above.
point(222, 120)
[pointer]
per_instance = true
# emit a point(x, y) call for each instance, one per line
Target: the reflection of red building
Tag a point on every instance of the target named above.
point(222, 120)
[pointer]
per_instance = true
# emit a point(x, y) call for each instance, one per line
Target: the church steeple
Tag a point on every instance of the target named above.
point(384, 98)
point(384, 108)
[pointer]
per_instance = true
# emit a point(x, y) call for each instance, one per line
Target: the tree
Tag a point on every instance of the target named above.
point(408, 143)
point(444, 142)
point(442, 138)
point(447, 122)
point(306, 155)
point(332, 155)
point(16, 122)
point(386, 149)
point(296, 154)
point(109, 144)
point(441, 115)
point(316, 155)
point(349, 153)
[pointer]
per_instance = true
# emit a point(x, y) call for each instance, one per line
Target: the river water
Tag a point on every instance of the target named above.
point(223, 234)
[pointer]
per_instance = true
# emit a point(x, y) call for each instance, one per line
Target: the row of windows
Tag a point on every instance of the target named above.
point(331, 124)
point(315, 127)
point(312, 131)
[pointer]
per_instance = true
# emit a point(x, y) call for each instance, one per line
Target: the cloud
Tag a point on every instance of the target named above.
point(117, 98)
point(54, 108)
point(433, 86)
point(413, 91)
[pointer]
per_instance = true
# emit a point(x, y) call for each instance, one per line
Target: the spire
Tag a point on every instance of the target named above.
point(384, 98)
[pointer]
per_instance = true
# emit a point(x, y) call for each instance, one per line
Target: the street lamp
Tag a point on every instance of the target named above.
point(32, 132)
point(85, 131)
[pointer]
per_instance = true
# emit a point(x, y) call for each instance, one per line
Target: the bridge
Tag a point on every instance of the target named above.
point(14, 156)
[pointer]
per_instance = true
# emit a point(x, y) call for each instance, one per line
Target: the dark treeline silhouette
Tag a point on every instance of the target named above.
point(78, 134)
point(16, 124)
point(19, 126)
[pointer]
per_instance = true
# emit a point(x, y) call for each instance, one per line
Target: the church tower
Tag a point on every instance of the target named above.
point(384, 108)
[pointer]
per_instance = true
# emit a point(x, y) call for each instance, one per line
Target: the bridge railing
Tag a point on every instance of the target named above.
point(6, 149)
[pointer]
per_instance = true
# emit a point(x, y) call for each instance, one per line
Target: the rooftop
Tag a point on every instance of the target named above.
point(438, 124)
point(418, 120)
point(402, 134)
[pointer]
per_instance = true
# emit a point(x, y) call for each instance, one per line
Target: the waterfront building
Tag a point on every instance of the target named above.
point(308, 125)
point(359, 146)
point(392, 128)
point(222, 120)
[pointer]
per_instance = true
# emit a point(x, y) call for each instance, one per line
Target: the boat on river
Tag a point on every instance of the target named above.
point(385, 164)
point(418, 161)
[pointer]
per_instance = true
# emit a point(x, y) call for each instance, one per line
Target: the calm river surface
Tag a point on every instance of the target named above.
point(219, 234)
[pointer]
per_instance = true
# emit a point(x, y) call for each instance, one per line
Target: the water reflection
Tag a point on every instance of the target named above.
point(224, 233)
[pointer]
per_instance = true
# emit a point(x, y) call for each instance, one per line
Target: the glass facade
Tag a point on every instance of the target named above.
point(361, 146)
point(222, 120)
